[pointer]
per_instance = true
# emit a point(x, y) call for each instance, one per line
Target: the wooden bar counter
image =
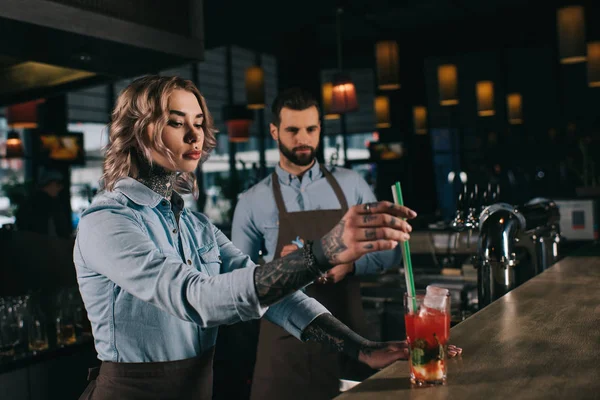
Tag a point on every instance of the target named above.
point(539, 341)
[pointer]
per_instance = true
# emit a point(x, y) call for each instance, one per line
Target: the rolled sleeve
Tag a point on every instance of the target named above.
point(295, 312)
point(375, 263)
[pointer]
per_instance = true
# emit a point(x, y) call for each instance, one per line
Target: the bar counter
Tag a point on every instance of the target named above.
point(539, 341)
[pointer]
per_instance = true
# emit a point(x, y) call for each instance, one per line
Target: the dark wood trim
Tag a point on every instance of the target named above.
point(69, 19)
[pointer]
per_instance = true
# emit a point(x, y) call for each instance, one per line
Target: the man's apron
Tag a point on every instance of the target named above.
point(287, 368)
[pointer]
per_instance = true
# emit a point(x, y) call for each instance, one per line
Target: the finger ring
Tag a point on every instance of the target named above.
point(367, 207)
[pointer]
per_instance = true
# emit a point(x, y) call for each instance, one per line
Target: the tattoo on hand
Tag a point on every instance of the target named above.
point(393, 221)
point(371, 234)
point(333, 244)
point(369, 246)
point(368, 218)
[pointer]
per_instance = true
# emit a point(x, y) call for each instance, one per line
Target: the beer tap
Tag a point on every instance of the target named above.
point(458, 223)
point(472, 218)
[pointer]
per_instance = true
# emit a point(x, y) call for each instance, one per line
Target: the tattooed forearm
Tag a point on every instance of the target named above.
point(329, 331)
point(281, 277)
point(333, 243)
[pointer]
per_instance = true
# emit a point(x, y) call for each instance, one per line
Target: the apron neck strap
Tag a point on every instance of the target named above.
point(330, 179)
point(336, 188)
point(277, 194)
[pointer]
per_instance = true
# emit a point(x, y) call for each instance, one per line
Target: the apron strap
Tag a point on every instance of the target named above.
point(278, 195)
point(336, 188)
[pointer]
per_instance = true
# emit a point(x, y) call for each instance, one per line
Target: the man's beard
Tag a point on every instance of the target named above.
point(301, 160)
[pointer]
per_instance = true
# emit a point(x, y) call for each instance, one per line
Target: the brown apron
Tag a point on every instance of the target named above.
point(171, 380)
point(287, 368)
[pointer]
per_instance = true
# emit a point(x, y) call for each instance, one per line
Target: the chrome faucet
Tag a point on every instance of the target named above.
point(515, 244)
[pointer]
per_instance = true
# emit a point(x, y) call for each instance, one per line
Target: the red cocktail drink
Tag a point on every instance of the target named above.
point(427, 333)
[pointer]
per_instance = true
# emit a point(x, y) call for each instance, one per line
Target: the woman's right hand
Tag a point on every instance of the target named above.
point(366, 228)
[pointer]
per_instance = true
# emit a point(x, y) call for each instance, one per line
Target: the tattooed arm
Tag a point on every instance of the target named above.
point(330, 332)
point(363, 229)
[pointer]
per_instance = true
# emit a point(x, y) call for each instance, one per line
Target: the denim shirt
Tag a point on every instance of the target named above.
point(256, 216)
point(156, 289)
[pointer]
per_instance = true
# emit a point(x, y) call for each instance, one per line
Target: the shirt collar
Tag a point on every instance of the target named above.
point(312, 174)
point(142, 194)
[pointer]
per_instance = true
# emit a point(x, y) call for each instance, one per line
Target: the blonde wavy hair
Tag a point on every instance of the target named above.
point(146, 101)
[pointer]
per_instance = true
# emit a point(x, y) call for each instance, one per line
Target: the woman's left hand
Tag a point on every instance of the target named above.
point(380, 355)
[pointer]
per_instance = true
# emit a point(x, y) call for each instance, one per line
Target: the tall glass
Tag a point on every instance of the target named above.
point(38, 338)
point(65, 318)
point(427, 332)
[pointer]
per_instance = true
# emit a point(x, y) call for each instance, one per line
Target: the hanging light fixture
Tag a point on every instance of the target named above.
point(420, 120)
point(238, 119)
point(386, 55)
point(571, 34)
point(326, 92)
point(255, 88)
point(485, 98)
point(448, 84)
point(23, 115)
point(593, 65)
point(515, 108)
point(14, 145)
point(343, 93)
point(382, 112)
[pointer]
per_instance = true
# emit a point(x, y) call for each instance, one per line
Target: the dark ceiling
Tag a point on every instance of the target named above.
point(440, 25)
point(299, 33)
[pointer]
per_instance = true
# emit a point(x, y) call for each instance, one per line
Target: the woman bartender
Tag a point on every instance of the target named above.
point(158, 279)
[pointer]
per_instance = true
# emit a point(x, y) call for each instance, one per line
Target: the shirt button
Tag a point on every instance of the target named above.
point(189, 261)
point(174, 230)
point(163, 203)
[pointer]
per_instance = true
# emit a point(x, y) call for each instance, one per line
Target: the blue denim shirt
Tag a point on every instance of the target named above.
point(256, 214)
point(156, 289)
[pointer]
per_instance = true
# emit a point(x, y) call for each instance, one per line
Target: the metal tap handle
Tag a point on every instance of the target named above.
point(458, 223)
point(474, 199)
point(462, 201)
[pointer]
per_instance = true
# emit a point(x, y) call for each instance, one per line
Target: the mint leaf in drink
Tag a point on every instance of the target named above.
point(442, 353)
point(420, 344)
point(417, 356)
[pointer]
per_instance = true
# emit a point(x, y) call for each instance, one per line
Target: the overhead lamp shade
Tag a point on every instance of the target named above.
point(485, 98)
point(343, 95)
point(238, 119)
point(386, 55)
point(255, 88)
point(593, 63)
point(448, 84)
point(515, 108)
point(382, 112)
point(14, 145)
point(327, 93)
point(23, 115)
point(420, 120)
point(571, 34)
